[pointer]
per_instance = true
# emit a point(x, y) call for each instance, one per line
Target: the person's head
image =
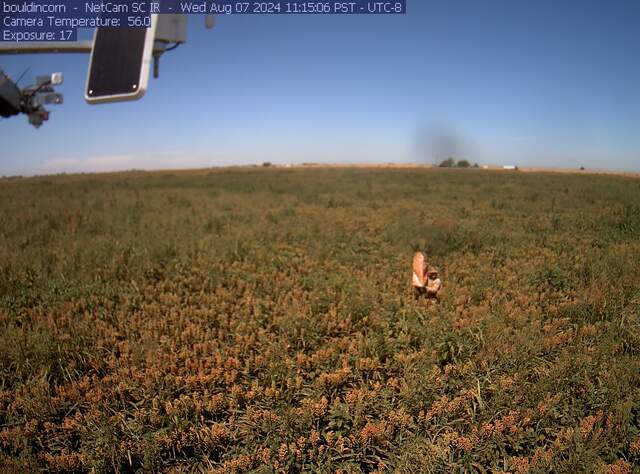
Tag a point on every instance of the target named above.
point(432, 273)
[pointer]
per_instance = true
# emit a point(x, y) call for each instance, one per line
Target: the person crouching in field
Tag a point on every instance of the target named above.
point(425, 279)
point(434, 284)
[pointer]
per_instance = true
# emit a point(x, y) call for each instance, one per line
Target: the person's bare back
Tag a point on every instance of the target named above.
point(419, 270)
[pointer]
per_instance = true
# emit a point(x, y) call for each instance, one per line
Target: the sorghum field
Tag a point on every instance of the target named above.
point(262, 320)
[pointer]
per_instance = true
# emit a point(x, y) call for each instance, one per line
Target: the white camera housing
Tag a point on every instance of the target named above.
point(56, 78)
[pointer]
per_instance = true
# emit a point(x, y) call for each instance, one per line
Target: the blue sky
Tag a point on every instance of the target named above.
point(538, 83)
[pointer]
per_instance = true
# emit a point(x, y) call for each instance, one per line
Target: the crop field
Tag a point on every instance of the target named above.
point(262, 320)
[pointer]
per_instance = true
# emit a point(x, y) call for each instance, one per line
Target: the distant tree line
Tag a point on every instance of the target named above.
point(452, 163)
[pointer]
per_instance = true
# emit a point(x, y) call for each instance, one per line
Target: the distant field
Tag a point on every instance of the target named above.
point(261, 320)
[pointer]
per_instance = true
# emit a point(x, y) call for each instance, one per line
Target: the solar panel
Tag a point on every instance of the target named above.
point(119, 64)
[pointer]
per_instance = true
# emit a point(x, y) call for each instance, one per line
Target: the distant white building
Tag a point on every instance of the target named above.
point(510, 167)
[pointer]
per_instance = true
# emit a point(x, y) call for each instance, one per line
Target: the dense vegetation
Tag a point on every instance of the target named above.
point(262, 320)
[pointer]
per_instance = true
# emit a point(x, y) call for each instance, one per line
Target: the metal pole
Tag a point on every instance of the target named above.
point(59, 47)
point(31, 47)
